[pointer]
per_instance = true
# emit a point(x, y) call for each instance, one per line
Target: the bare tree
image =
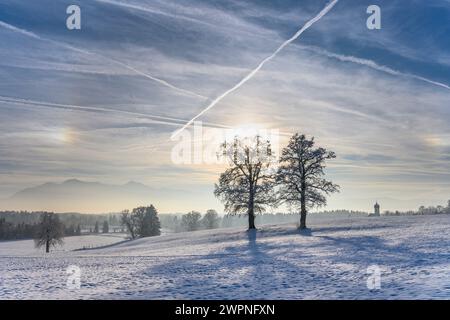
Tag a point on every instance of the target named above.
point(211, 219)
point(129, 222)
point(300, 175)
point(191, 221)
point(50, 231)
point(247, 186)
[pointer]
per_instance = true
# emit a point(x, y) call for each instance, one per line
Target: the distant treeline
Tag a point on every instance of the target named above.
point(21, 230)
point(419, 212)
point(82, 219)
point(15, 225)
point(192, 221)
point(10, 231)
point(422, 211)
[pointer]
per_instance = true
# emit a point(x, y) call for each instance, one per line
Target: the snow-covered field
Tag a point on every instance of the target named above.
point(27, 248)
point(277, 262)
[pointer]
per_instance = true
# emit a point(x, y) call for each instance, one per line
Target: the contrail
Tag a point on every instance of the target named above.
point(21, 101)
point(155, 118)
point(373, 65)
point(70, 47)
point(170, 121)
point(24, 32)
point(261, 64)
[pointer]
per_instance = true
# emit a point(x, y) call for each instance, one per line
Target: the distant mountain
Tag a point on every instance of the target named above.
point(91, 197)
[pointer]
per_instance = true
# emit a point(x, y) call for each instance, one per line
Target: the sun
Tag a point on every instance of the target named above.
point(247, 129)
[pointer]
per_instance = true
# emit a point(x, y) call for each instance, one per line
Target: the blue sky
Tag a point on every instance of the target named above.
point(100, 103)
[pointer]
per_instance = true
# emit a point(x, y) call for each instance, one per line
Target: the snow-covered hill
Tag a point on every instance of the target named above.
point(276, 262)
point(27, 248)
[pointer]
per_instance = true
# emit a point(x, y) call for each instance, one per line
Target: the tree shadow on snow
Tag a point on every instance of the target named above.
point(261, 264)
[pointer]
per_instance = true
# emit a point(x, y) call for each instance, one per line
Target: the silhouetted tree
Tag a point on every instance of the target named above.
point(300, 175)
point(211, 219)
point(50, 231)
point(148, 221)
point(142, 222)
point(191, 221)
point(128, 220)
point(247, 186)
point(78, 231)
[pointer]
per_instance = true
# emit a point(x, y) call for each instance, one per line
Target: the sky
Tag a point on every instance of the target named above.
point(101, 103)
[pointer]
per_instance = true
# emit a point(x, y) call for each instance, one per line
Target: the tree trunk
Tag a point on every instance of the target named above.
point(251, 209)
point(251, 220)
point(47, 246)
point(303, 219)
point(303, 207)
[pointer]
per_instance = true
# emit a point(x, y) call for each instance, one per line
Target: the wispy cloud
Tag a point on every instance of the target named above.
point(373, 65)
point(84, 51)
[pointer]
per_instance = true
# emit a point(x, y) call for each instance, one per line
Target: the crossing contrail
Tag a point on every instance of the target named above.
point(260, 65)
point(87, 52)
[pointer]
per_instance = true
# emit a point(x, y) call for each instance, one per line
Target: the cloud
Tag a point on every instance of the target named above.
point(114, 61)
point(66, 113)
point(373, 65)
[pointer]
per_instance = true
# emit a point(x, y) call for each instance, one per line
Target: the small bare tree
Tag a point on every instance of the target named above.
point(300, 175)
point(50, 231)
point(247, 186)
point(211, 219)
point(128, 220)
point(191, 221)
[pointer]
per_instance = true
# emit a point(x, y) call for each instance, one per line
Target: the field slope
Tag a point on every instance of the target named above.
point(276, 262)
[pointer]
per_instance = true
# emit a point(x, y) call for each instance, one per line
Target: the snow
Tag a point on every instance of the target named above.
point(277, 262)
point(27, 248)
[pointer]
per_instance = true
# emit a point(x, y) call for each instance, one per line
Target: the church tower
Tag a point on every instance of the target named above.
point(376, 209)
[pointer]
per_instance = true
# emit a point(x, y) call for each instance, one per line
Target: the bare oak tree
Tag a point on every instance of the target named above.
point(247, 186)
point(50, 231)
point(300, 175)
